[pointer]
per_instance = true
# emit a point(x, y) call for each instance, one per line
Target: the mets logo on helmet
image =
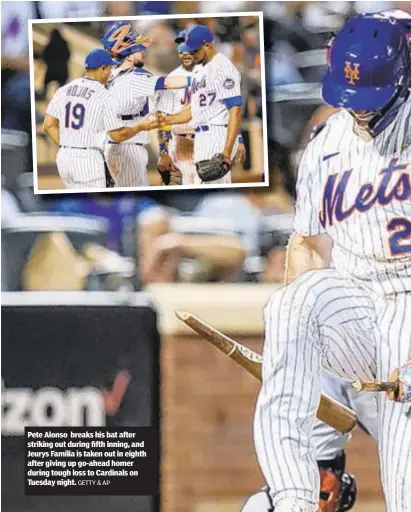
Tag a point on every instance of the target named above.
point(352, 72)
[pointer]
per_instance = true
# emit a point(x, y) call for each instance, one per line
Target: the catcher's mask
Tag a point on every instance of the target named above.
point(121, 40)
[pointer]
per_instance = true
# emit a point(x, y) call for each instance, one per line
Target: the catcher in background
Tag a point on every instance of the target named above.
point(215, 108)
point(176, 143)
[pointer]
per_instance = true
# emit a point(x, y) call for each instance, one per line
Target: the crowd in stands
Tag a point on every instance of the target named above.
point(192, 236)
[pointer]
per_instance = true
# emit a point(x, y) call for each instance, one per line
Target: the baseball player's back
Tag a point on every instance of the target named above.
point(86, 111)
point(131, 89)
point(79, 107)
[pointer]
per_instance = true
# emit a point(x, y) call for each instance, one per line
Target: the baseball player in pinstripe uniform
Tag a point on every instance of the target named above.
point(354, 194)
point(215, 109)
point(79, 118)
point(176, 146)
point(132, 85)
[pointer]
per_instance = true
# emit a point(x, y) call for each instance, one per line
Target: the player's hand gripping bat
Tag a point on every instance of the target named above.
point(329, 411)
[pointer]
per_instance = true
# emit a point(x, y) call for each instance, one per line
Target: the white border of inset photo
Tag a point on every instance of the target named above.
point(163, 188)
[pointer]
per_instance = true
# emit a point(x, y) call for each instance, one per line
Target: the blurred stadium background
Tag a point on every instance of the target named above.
point(68, 263)
point(59, 51)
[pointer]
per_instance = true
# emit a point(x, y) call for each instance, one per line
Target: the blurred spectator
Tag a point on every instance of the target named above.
point(157, 7)
point(70, 9)
point(215, 257)
point(248, 209)
point(56, 56)
point(134, 221)
point(83, 9)
point(15, 79)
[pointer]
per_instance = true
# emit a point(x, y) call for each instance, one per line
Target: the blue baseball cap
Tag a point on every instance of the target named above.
point(98, 57)
point(369, 60)
point(181, 37)
point(195, 38)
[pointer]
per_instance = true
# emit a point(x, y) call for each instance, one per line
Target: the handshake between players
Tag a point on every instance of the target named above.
point(196, 109)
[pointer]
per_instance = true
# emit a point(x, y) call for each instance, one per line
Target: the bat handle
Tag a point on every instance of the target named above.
point(375, 386)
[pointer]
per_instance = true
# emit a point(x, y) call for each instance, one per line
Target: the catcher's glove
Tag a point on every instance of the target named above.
point(213, 169)
point(171, 176)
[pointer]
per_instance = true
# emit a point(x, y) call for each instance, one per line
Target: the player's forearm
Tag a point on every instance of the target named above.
point(125, 133)
point(53, 132)
point(176, 82)
point(180, 118)
point(306, 253)
point(234, 121)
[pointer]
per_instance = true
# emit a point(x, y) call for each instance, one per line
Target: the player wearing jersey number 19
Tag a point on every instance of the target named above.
point(80, 117)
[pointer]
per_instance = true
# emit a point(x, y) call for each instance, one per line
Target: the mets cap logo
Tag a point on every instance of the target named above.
point(352, 72)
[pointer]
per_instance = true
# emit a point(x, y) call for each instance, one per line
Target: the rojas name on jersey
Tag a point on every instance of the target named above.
point(80, 92)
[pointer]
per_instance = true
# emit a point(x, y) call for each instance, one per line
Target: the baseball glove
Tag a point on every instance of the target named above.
point(213, 169)
point(171, 176)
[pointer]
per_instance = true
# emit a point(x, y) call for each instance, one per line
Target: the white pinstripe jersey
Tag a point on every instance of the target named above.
point(132, 89)
point(84, 108)
point(173, 101)
point(360, 194)
point(213, 82)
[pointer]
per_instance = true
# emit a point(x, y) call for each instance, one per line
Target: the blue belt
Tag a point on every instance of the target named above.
point(205, 127)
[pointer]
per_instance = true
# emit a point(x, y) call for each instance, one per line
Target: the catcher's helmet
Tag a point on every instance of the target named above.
point(121, 40)
point(369, 68)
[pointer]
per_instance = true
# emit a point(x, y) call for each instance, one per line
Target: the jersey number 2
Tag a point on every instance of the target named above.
point(400, 240)
point(75, 115)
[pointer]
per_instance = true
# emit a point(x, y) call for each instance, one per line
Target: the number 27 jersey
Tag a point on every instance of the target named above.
point(359, 193)
point(84, 107)
point(211, 84)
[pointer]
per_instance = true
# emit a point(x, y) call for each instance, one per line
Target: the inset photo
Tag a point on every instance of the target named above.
point(147, 103)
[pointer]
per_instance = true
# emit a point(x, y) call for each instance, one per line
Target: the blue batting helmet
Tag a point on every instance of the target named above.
point(121, 40)
point(369, 68)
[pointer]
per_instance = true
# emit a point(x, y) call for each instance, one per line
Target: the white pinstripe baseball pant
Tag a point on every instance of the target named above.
point(209, 142)
point(323, 318)
point(182, 154)
point(132, 160)
point(81, 168)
